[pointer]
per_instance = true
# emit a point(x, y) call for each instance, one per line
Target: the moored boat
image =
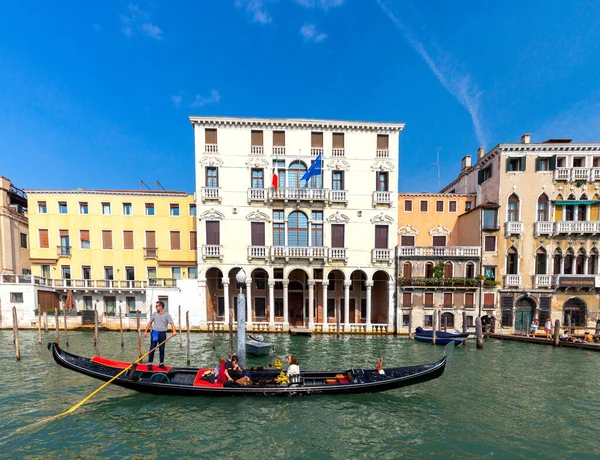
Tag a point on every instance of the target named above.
point(441, 334)
point(257, 346)
point(440, 340)
point(183, 381)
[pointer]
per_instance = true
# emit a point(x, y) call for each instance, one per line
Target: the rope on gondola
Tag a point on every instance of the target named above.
point(88, 397)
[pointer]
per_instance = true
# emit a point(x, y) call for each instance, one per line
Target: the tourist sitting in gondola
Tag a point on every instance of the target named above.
point(293, 371)
point(235, 375)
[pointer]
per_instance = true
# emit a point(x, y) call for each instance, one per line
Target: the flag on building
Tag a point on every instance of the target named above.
point(275, 180)
point(316, 169)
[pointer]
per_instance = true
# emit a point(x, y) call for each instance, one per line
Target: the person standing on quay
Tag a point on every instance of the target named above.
point(548, 329)
point(159, 322)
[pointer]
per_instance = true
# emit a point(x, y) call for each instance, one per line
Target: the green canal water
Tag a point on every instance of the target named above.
point(509, 400)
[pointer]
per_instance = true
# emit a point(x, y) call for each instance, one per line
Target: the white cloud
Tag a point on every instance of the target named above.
point(177, 100)
point(201, 101)
point(457, 83)
point(324, 4)
point(310, 34)
point(137, 19)
point(256, 9)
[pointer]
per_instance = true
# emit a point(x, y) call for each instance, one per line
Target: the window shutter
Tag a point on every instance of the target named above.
point(316, 140)
point(429, 298)
point(522, 163)
point(107, 239)
point(552, 163)
point(338, 140)
point(406, 299)
point(257, 138)
point(537, 164)
point(193, 241)
point(439, 240)
point(212, 232)
point(469, 298)
point(407, 240)
point(382, 142)
point(447, 298)
point(279, 138)
point(480, 177)
point(258, 233)
point(508, 164)
point(490, 243)
point(448, 270)
point(44, 239)
point(150, 239)
point(381, 236)
point(210, 136)
point(407, 270)
point(127, 239)
point(63, 233)
point(488, 299)
point(337, 235)
point(175, 241)
point(84, 235)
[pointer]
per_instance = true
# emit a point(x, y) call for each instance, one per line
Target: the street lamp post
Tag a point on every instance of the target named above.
point(241, 319)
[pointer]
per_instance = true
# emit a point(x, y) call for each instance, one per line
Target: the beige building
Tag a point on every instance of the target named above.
point(14, 232)
point(437, 266)
point(539, 225)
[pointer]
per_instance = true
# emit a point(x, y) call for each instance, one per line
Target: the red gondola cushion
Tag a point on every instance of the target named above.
point(122, 364)
point(198, 382)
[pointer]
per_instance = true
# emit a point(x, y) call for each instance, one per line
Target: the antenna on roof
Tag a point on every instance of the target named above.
point(437, 164)
point(156, 183)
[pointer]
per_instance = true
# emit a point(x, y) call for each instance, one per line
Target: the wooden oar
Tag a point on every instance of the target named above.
point(87, 398)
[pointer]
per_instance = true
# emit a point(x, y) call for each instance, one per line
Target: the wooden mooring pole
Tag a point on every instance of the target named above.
point(56, 326)
point(433, 326)
point(96, 335)
point(39, 325)
point(180, 334)
point(410, 323)
point(121, 328)
point(139, 337)
point(212, 313)
point(464, 315)
point(46, 322)
point(478, 332)
point(16, 334)
point(556, 332)
point(187, 326)
point(66, 332)
point(230, 330)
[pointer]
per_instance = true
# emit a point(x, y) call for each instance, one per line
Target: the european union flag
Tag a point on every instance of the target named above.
point(315, 169)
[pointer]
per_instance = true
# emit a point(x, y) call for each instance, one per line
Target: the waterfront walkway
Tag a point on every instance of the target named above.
point(545, 341)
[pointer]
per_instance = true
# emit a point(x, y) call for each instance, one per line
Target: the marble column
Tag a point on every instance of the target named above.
point(391, 306)
point(369, 285)
point(286, 320)
point(324, 301)
point(586, 261)
point(248, 303)
point(226, 299)
point(271, 304)
point(311, 303)
point(347, 285)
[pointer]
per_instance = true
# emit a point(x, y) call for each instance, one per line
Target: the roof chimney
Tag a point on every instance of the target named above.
point(525, 138)
point(465, 163)
point(480, 152)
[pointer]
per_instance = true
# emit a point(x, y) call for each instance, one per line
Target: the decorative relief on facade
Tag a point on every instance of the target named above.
point(439, 231)
point(257, 163)
point(408, 230)
point(258, 216)
point(382, 165)
point(212, 214)
point(338, 164)
point(211, 161)
point(338, 217)
point(382, 219)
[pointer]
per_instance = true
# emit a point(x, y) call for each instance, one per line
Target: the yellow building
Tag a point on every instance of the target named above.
point(112, 248)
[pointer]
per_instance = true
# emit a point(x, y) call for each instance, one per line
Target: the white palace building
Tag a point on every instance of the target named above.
point(314, 251)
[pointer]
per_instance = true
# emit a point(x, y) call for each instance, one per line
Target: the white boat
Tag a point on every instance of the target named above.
point(256, 345)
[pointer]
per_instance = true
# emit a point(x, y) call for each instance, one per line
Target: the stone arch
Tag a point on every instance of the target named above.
point(574, 312)
point(379, 297)
point(513, 207)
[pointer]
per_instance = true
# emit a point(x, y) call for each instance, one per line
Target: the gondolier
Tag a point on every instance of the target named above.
point(159, 322)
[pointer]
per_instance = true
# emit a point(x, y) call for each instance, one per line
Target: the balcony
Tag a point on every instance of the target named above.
point(438, 282)
point(576, 226)
point(513, 228)
point(64, 251)
point(150, 253)
point(257, 194)
point(382, 153)
point(338, 196)
point(577, 174)
point(211, 194)
point(542, 281)
point(338, 153)
point(338, 254)
point(278, 150)
point(451, 252)
point(258, 252)
point(211, 148)
point(381, 255)
point(257, 150)
point(298, 194)
point(382, 198)
point(314, 151)
point(543, 228)
point(512, 280)
point(87, 284)
point(212, 251)
point(298, 252)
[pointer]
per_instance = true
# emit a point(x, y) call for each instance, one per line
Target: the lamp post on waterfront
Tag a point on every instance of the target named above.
point(241, 319)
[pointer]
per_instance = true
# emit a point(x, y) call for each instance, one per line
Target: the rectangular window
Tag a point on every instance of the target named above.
point(24, 240)
point(210, 136)
point(512, 164)
point(257, 236)
point(382, 181)
point(407, 299)
point(65, 271)
point(407, 240)
point(260, 282)
point(127, 239)
point(424, 204)
point(221, 306)
point(107, 239)
point(127, 209)
point(192, 210)
point(447, 299)
point(490, 273)
point(149, 209)
point(83, 207)
point(452, 206)
point(109, 304)
point(175, 241)
point(43, 238)
point(129, 273)
point(542, 164)
point(193, 241)
point(62, 207)
point(468, 205)
point(212, 176)
point(213, 236)
point(317, 228)
point(337, 140)
point(256, 138)
point(84, 237)
point(105, 209)
point(428, 301)
point(260, 309)
point(439, 206)
point(382, 142)
point(337, 180)
point(174, 209)
point(193, 273)
point(469, 300)
point(405, 320)
point(278, 138)
point(45, 271)
point(407, 205)
point(428, 320)
point(484, 174)
point(16, 297)
point(381, 236)
point(42, 208)
point(278, 228)
point(470, 321)
point(337, 235)
point(130, 305)
point(439, 240)
point(278, 307)
point(257, 178)
point(109, 273)
point(490, 219)
point(86, 272)
point(490, 243)
point(316, 140)
point(151, 272)
point(488, 300)
point(87, 301)
point(176, 273)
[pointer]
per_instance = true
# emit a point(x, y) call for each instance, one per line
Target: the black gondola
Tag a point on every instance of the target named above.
point(185, 381)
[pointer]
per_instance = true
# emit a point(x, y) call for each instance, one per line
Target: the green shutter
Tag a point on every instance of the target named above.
point(522, 163)
point(508, 164)
point(480, 176)
point(537, 164)
point(552, 163)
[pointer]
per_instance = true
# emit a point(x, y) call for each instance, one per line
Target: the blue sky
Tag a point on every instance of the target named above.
point(97, 94)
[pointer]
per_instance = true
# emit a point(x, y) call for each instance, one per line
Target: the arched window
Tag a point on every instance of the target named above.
point(447, 319)
point(593, 262)
point(569, 261)
point(295, 172)
point(513, 208)
point(297, 229)
point(470, 270)
point(540, 262)
point(580, 262)
point(574, 312)
point(582, 209)
point(448, 270)
point(570, 208)
point(512, 261)
point(429, 270)
point(542, 208)
point(557, 259)
point(407, 270)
